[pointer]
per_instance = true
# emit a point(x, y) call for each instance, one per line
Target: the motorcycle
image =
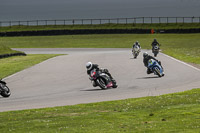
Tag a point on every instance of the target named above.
point(155, 67)
point(4, 90)
point(155, 50)
point(135, 51)
point(102, 80)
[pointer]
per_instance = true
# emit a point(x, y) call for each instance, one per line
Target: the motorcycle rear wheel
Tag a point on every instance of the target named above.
point(5, 90)
point(114, 86)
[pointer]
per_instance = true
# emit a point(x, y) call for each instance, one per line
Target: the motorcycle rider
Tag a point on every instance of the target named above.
point(136, 44)
point(146, 59)
point(90, 66)
point(155, 43)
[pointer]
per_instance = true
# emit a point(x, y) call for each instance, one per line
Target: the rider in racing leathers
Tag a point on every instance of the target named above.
point(146, 59)
point(90, 66)
point(136, 44)
point(155, 43)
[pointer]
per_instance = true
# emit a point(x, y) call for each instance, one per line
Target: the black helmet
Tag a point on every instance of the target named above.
point(89, 65)
point(145, 54)
point(154, 40)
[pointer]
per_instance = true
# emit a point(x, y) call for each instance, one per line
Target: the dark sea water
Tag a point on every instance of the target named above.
point(80, 9)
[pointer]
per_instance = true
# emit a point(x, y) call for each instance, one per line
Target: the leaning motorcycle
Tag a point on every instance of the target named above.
point(102, 80)
point(4, 90)
point(135, 51)
point(155, 50)
point(155, 67)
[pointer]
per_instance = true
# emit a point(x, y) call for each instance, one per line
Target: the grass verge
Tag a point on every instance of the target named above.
point(179, 112)
point(6, 50)
point(102, 26)
point(15, 64)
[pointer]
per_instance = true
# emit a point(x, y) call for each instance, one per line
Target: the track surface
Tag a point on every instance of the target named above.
point(63, 80)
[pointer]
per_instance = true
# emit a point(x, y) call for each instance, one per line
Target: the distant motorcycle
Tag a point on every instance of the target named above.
point(102, 80)
point(155, 67)
point(155, 50)
point(135, 51)
point(4, 90)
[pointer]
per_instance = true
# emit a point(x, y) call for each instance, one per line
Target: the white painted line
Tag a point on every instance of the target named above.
point(181, 62)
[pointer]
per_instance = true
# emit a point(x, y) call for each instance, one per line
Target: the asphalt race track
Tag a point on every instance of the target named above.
point(63, 80)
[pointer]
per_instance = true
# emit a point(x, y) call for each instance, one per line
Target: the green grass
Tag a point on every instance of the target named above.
point(6, 50)
point(185, 47)
point(102, 26)
point(15, 64)
point(179, 112)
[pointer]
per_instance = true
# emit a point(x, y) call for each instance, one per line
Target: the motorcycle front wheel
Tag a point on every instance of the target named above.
point(155, 54)
point(5, 91)
point(101, 83)
point(135, 55)
point(157, 72)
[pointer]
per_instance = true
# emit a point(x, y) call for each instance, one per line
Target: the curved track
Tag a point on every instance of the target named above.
point(63, 80)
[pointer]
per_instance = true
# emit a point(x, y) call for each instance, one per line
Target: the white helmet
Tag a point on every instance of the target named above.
point(89, 65)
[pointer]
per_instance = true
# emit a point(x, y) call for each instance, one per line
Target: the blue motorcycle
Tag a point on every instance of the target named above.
point(155, 67)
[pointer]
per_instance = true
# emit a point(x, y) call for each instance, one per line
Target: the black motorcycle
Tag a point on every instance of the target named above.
point(102, 80)
point(155, 50)
point(4, 90)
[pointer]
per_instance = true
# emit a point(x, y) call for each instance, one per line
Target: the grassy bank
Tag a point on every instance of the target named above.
point(185, 47)
point(102, 26)
point(178, 112)
point(15, 64)
point(6, 50)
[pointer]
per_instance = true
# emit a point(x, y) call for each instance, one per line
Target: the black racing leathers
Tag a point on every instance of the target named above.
point(155, 43)
point(95, 66)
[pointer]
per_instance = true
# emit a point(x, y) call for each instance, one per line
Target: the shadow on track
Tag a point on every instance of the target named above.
point(149, 77)
point(97, 89)
point(133, 58)
point(93, 90)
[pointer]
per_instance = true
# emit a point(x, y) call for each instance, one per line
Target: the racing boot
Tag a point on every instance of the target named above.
point(149, 71)
point(113, 81)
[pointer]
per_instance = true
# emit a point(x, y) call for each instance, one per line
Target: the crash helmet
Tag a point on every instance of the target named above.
point(136, 42)
point(145, 54)
point(154, 40)
point(89, 65)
